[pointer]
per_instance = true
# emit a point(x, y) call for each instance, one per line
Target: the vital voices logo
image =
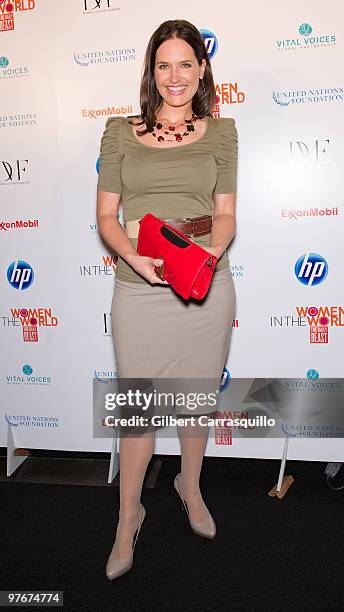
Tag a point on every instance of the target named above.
point(107, 56)
point(20, 274)
point(312, 374)
point(19, 120)
point(93, 7)
point(306, 38)
point(8, 71)
point(311, 269)
point(294, 97)
point(94, 113)
point(210, 41)
point(14, 172)
point(28, 377)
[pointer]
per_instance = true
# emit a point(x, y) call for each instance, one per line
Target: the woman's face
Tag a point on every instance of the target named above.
point(177, 72)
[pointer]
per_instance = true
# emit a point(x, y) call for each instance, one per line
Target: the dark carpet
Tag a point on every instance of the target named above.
point(268, 554)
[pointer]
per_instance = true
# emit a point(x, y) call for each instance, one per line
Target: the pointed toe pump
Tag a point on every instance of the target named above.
point(206, 528)
point(117, 567)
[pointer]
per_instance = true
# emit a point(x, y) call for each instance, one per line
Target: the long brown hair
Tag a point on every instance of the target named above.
point(150, 99)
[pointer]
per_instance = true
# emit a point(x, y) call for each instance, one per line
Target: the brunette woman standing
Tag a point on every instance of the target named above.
point(179, 163)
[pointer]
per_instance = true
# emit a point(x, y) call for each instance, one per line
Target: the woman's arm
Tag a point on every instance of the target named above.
point(109, 226)
point(116, 237)
point(224, 223)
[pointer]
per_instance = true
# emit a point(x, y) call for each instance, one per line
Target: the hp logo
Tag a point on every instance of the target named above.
point(20, 274)
point(311, 269)
point(210, 42)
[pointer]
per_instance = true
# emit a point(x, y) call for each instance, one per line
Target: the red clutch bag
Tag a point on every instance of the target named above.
point(187, 267)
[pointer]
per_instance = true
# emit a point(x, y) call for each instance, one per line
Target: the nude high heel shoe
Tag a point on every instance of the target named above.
point(207, 528)
point(118, 567)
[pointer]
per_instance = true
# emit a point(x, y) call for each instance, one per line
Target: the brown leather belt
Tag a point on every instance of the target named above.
point(191, 227)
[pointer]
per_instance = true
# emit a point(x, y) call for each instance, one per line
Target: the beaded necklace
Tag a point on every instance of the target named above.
point(171, 130)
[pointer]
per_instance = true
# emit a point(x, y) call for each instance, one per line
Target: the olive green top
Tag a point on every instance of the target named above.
point(168, 182)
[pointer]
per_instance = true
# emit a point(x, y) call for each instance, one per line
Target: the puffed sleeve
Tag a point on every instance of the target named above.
point(109, 178)
point(226, 156)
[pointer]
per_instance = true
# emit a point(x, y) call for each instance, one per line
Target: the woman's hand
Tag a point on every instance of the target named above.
point(145, 267)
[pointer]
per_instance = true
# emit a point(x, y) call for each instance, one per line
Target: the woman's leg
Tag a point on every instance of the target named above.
point(193, 439)
point(135, 454)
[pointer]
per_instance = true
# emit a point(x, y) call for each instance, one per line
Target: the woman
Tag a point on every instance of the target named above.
point(177, 162)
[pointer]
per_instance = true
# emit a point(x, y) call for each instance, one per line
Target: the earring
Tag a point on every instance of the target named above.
point(202, 85)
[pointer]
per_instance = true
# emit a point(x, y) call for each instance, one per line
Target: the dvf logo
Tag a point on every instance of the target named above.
point(95, 4)
point(20, 274)
point(311, 269)
point(210, 42)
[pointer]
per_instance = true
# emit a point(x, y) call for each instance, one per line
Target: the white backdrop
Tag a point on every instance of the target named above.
point(64, 68)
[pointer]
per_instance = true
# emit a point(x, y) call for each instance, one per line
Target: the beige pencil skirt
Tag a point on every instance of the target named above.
point(158, 334)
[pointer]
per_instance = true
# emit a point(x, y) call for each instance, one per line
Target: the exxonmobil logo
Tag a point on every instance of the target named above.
point(18, 224)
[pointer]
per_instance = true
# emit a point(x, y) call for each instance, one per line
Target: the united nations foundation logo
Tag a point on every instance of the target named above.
point(104, 56)
point(27, 420)
point(296, 97)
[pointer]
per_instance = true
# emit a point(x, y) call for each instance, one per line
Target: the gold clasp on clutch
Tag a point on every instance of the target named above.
point(159, 270)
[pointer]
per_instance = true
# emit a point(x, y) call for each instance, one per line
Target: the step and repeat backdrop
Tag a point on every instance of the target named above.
point(68, 65)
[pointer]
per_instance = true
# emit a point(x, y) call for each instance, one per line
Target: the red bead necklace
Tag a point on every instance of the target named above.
point(171, 130)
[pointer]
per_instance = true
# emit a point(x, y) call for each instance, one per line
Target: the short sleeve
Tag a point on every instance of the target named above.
point(226, 156)
point(109, 178)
